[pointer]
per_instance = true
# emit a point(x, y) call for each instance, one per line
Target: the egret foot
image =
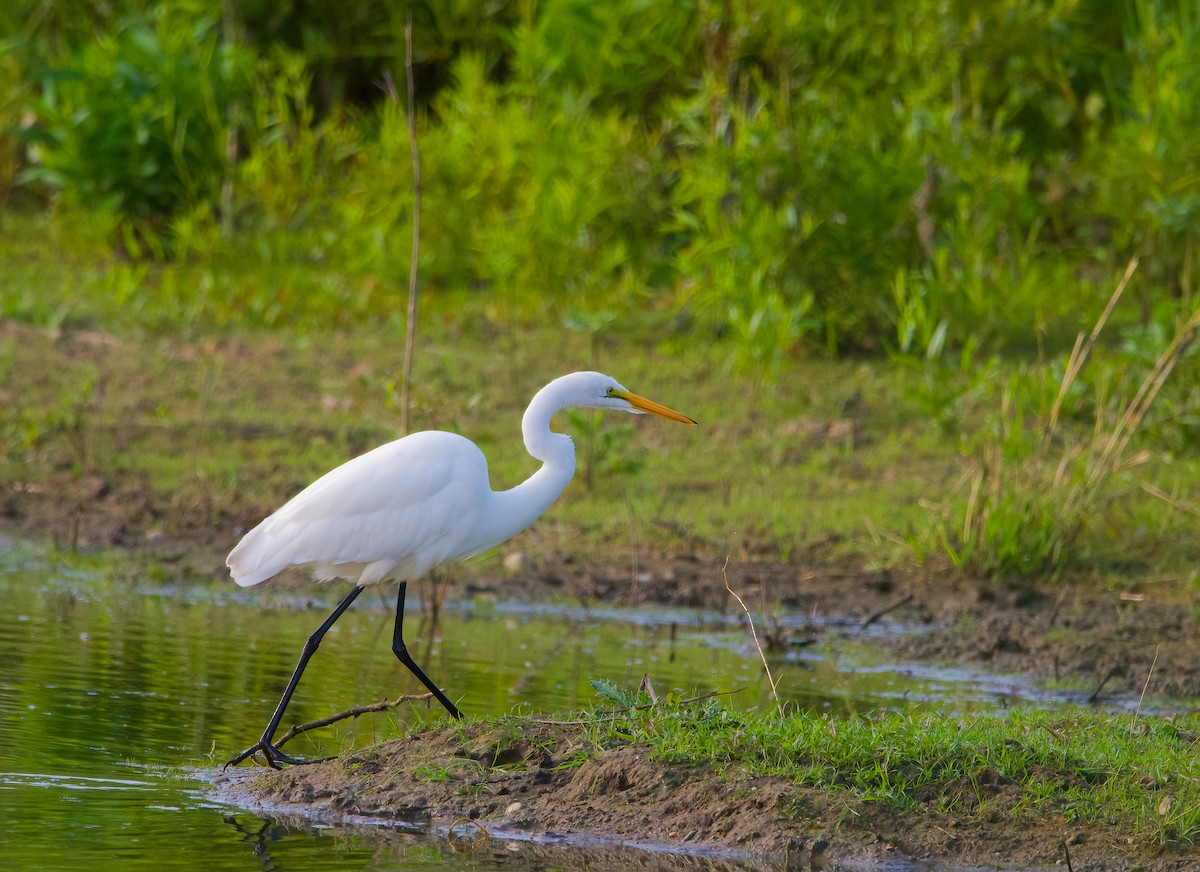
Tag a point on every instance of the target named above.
point(272, 755)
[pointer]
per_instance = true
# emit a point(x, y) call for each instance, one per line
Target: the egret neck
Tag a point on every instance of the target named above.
point(517, 508)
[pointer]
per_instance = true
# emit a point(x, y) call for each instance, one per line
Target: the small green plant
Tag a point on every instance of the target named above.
point(765, 329)
point(949, 381)
point(63, 429)
point(136, 124)
point(617, 695)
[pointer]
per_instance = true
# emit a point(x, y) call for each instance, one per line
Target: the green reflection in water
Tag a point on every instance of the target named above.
point(114, 692)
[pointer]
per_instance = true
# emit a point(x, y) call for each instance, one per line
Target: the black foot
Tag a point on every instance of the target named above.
point(272, 755)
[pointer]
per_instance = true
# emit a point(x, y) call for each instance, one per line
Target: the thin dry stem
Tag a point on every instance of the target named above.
point(410, 329)
point(1137, 711)
point(451, 838)
point(410, 120)
point(1177, 505)
point(1108, 451)
point(1081, 350)
point(1136, 409)
point(754, 635)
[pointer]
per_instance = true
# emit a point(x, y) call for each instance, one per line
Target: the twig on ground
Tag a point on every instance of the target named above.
point(649, 688)
point(879, 613)
point(382, 705)
point(1099, 687)
point(754, 635)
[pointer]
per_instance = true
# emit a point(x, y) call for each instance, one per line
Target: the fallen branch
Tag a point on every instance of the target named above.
point(382, 705)
point(879, 613)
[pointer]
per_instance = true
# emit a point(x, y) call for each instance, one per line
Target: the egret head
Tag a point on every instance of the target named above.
point(596, 390)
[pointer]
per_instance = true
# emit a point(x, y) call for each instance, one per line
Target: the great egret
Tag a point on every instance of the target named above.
point(406, 507)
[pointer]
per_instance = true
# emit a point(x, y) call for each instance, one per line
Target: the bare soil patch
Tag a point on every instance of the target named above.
point(514, 785)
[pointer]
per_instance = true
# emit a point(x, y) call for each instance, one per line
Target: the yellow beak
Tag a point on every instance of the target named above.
point(644, 405)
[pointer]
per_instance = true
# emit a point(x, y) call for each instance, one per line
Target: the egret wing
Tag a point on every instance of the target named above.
point(399, 509)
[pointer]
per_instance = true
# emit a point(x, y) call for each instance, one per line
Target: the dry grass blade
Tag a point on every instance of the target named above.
point(410, 328)
point(1177, 505)
point(410, 118)
point(1029, 502)
point(754, 635)
point(1135, 410)
point(1138, 710)
point(1081, 350)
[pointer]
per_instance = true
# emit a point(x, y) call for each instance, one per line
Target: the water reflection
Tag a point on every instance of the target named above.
point(275, 841)
point(114, 689)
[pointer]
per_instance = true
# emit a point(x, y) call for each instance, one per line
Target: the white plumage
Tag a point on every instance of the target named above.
point(406, 507)
point(394, 512)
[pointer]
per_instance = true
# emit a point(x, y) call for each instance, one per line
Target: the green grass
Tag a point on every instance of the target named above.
point(1138, 775)
point(251, 430)
point(223, 422)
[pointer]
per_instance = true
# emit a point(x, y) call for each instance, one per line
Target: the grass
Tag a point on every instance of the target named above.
point(1134, 778)
point(1139, 777)
point(836, 459)
point(245, 417)
point(1038, 484)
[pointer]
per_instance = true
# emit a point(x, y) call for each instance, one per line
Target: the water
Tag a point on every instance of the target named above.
point(119, 697)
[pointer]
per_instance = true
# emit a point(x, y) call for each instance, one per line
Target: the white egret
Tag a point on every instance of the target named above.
point(409, 506)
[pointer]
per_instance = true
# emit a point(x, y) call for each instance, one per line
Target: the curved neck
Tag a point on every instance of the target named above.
point(515, 509)
point(553, 449)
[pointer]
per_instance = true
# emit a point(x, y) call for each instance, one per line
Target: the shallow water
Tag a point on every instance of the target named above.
point(119, 696)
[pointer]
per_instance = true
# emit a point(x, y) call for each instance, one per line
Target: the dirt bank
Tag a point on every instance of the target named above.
point(1112, 638)
point(503, 785)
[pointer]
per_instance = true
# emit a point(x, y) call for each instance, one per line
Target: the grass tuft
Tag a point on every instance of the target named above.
point(1082, 765)
point(1037, 484)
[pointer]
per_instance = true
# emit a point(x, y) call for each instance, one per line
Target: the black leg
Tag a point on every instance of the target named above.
point(401, 652)
point(272, 754)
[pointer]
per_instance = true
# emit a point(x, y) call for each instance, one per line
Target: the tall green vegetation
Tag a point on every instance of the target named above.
point(942, 180)
point(778, 169)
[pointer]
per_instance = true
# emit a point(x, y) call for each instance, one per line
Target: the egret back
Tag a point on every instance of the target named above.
point(393, 513)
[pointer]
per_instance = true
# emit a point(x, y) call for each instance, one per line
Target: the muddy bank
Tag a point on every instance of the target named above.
point(88, 482)
point(513, 784)
point(1099, 637)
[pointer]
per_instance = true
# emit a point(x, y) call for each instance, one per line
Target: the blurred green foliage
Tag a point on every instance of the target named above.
point(943, 180)
point(135, 128)
point(778, 173)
